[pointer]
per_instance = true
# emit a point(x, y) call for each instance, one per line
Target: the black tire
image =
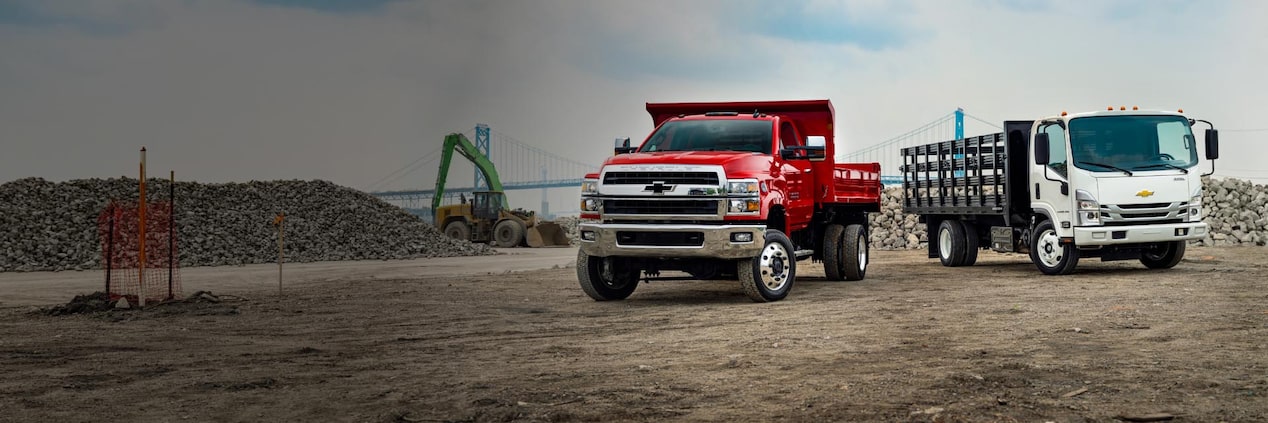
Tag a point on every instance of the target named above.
point(1163, 255)
point(832, 252)
point(1048, 254)
point(971, 243)
point(854, 253)
point(769, 276)
point(458, 230)
point(508, 233)
point(605, 278)
point(951, 243)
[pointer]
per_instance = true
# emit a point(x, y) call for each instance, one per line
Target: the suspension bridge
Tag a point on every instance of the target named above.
point(523, 166)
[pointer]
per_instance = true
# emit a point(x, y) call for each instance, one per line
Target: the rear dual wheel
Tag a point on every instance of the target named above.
point(845, 251)
point(957, 243)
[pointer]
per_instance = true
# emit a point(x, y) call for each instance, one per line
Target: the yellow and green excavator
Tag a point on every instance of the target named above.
point(485, 217)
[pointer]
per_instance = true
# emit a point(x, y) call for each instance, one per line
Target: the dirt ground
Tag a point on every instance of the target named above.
point(914, 341)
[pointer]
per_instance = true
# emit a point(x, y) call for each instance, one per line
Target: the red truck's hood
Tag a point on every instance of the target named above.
point(724, 158)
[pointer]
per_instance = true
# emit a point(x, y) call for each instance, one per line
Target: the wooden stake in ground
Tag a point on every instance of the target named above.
point(141, 228)
point(280, 222)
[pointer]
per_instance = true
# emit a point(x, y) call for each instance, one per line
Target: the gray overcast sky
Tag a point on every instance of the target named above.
point(349, 91)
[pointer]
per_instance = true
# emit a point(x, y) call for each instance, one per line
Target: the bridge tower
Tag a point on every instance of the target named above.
point(481, 144)
point(959, 123)
point(545, 210)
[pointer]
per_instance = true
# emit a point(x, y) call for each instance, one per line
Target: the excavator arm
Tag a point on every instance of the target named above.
point(460, 143)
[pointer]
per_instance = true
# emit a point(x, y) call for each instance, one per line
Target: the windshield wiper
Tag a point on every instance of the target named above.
point(1162, 165)
point(1128, 172)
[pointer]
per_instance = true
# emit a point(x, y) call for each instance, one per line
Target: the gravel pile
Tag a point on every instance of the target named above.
point(52, 226)
point(1236, 210)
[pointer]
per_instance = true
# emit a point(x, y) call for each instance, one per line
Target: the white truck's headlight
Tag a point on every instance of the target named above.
point(1195, 207)
point(589, 186)
point(742, 187)
point(1088, 208)
point(590, 204)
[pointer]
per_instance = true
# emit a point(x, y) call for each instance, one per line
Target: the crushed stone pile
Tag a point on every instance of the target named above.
point(1235, 209)
point(51, 226)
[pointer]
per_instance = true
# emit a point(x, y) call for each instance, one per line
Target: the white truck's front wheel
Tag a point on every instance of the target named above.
point(1048, 254)
point(1164, 255)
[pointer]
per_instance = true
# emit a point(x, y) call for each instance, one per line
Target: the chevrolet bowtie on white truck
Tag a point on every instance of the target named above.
point(737, 190)
point(1115, 184)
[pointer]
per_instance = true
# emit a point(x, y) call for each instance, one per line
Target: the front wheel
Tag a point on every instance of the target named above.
point(1164, 255)
point(770, 275)
point(1048, 254)
point(508, 233)
point(606, 278)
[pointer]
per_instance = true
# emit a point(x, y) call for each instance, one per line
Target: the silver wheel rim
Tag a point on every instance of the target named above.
point(862, 247)
point(944, 244)
point(774, 265)
point(1049, 248)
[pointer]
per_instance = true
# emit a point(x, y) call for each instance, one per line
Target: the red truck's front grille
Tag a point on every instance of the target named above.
point(668, 178)
point(660, 207)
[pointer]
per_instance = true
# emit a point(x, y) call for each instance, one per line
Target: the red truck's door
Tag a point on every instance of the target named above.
point(799, 206)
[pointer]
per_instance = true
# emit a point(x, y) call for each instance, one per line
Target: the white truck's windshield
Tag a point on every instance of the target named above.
point(1132, 143)
point(712, 135)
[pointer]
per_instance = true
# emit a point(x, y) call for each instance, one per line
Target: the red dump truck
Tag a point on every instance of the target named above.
point(728, 190)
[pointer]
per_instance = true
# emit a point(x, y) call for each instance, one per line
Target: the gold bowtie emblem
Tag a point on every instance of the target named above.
point(1144, 193)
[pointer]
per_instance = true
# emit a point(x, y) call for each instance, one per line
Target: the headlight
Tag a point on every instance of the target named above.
point(743, 206)
point(742, 187)
point(590, 204)
point(1089, 210)
point(1195, 207)
point(589, 186)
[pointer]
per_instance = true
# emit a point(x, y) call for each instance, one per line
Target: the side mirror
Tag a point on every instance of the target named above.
point(812, 153)
point(816, 140)
point(623, 146)
point(1212, 144)
point(1041, 148)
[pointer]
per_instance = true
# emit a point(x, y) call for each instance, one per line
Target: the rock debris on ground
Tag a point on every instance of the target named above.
point(52, 226)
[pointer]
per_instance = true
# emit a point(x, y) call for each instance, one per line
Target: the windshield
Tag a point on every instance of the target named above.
point(1115, 143)
point(712, 135)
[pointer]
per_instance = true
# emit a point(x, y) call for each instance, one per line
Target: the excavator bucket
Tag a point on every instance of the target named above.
point(546, 234)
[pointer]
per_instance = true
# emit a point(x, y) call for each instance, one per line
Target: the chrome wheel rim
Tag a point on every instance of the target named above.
point(1049, 249)
point(774, 265)
point(862, 247)
point(944, 244)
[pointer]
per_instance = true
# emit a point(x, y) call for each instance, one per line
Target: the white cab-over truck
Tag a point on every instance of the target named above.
point(1115, 184)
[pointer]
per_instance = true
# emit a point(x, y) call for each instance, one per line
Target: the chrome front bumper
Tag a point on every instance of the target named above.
point(716, 241)
point(1111, 235)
